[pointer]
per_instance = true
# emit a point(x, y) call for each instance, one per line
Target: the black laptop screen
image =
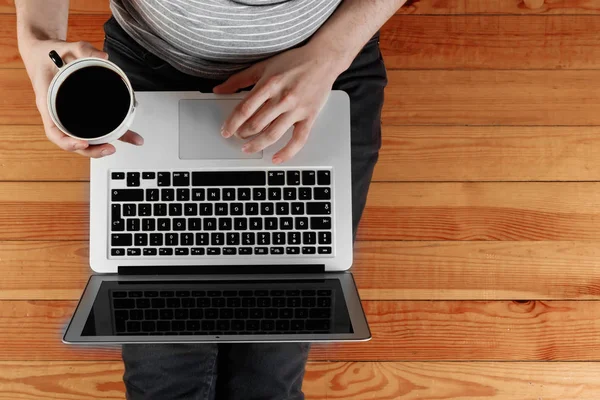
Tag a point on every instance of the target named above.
point(261, 307)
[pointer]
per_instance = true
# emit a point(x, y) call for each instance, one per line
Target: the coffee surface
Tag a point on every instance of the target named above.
point(92, 102)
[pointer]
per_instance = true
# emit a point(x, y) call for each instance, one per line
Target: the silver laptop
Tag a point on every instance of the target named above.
point(192, 240)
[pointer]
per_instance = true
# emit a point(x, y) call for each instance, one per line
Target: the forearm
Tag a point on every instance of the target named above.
point(351, 26)
point(41, 20)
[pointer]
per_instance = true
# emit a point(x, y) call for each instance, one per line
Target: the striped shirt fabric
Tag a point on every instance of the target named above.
point(216, 38)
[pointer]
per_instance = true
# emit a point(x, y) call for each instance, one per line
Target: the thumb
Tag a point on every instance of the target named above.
point(243, 79)
point(85, 49)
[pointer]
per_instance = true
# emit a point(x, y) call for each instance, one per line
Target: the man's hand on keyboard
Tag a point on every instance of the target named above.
point(290, 90)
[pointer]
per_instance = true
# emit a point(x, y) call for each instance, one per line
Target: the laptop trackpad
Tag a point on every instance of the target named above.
point(199, 131)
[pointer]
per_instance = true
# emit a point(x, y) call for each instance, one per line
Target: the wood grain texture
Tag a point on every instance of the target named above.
point(409, 153)
point(402, 331)
point(425, 42)
point(75, 6)
point(334, 380)
point(499, 211)
point(491, 42)
point(468, 153)
point(33, 270)
point(426, 98)
point(27, 155)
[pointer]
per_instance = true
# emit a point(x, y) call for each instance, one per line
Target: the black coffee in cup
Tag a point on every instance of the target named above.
point(92, 102)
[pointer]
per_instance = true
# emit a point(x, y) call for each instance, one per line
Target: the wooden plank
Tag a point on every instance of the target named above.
point(27, 155)
point(440, 42)
point(409, 153)
point(426, 98)
point(491, 42)
point(383, 270)
point(422, 7)
point(484, 153)
point(507, 211)
point(441, 7)
point(75, 6)
point(82, 380)
point(402, 331)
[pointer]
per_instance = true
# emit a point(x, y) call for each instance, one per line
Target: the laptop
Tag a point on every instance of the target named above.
point(192, 240)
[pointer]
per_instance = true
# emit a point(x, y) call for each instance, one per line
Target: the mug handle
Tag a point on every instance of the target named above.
point(56, 59)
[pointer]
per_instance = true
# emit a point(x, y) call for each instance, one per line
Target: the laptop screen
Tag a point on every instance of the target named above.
point(223, 307)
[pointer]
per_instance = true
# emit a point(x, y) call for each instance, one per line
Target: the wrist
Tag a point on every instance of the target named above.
point(337, 56)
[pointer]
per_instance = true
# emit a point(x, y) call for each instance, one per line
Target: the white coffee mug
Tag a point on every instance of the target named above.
point(64, 71)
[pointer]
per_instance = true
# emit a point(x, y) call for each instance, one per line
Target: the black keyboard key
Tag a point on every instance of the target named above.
point(271, 224)
point(325, 250)
point(226, 313)
point(251, 208)
point(217, 239)
point(164, 179)
point(248, 238)
point(133, 224)
point(271, 313)
point(297, 208)
point(213, 194)
point(301, 223)
point(240, 224)
point(175, 209)
point(233, 238)
point(318, 208)
point(309, 250)
point(225, 224)
point(133, 326)
point(278, 238)
point(324, 292)
point(182, 251)
point(150, 252)
point(181, 179)
point(140, 239)
point(274, 193)
point(309, 237)
point(229, 251)
point(179, 224)
point(187, 239)
point(121, 239)
point(129, 210)
point(203, 302)
point(117, 252)
point(221, 209)
point(165, 314)
point(213, 251)
point(171, 239)
point(208, 325)
point(297, 325)
point(301, 313)
point(182, 313)
point(145, 210)
point(261, 251)
point(229, 178)
point(190, 209)
point(262, 302)
point(308, 177)
point(234, 303)
point(252, 325)
point(309, 302)
point(243, 194)
point(158, 303)
point(267, 208)
point(324, 302)
point(118, 225)
point(276, 178)
point(324, 237)
point(197, 194)
point(156, 239)
point(237, 325)
point(163, 326)
point(293, 178)
point(167, 194)
point(136, 315)
point(324, 177)
point(136, 293)
point(255, 224)
point(229, 194)
point(152, 194)
point(248, 302)
point(194, 224)
point(263, 238)
point(150, 314)
point(305, 193)
point(192, 326)
point(223, 325)
point(142, 303)
point(245, 251)
point(241, 313)
point(286, 313)
point(118, 175)
point(133, 179)
point(148, 175)
point(115, 211)
point(178, 326)
point(267, 325)
point(197, 251)
point(160, 210)
point(126, 195)
point(286, 223)
point(183, 194)
point(292, 250)
point(318, 223)
point(196, 313)
point(293, 238)
point(123, 304)
point(277, 250)
point(202, 239)
point(206, 209)
point(282, 325)
point(322, 193)
point(318, 325)
point(294, 302)
point(282, 208)
point(165, 252)
point(277, 293)
point(259, 194)
point(173, 302)
point(236, 209)
point(210, 224)
point(148, 224)
point(289, 193)
point(211, 313)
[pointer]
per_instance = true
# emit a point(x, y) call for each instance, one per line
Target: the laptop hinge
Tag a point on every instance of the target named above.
point(219, 269)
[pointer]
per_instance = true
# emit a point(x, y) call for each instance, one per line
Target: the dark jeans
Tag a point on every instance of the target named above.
point(242, 371)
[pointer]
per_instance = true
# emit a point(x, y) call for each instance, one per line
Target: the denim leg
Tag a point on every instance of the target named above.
point(261, 371)
point(170, 371)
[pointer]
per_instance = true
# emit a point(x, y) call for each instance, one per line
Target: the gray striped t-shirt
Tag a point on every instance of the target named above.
point(216, 38)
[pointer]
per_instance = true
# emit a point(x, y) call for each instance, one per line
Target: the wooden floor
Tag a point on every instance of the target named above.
point(479, 248)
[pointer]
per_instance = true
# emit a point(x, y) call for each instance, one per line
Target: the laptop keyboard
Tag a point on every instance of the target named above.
point(222, 312)
point(221, 213)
